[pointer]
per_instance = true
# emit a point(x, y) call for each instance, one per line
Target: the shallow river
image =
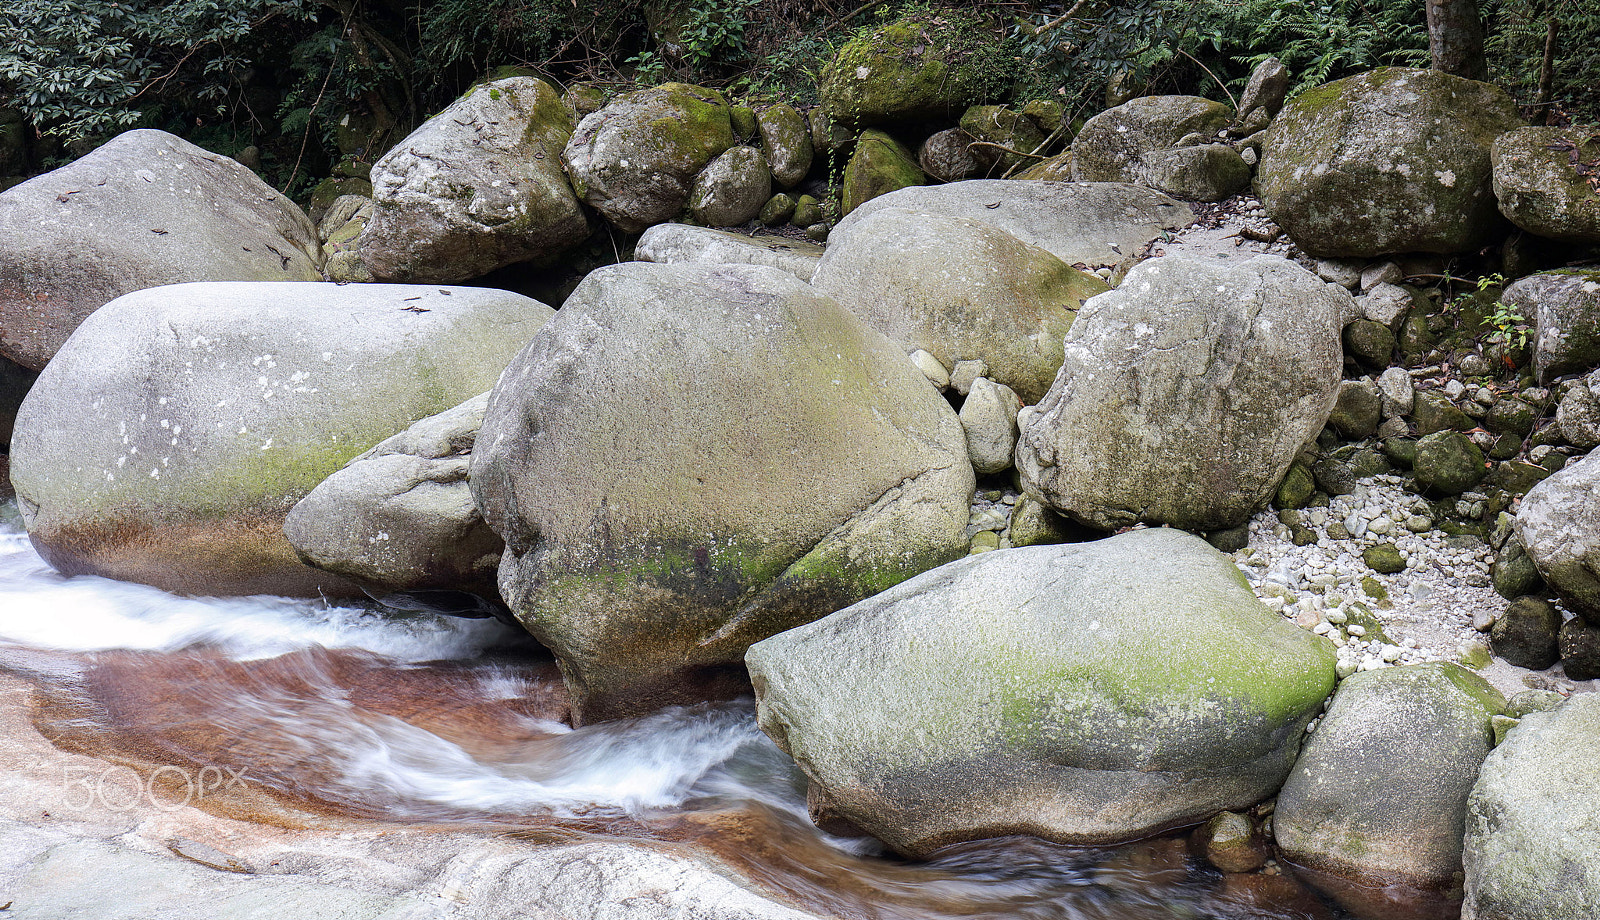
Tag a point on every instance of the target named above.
point(344, 710)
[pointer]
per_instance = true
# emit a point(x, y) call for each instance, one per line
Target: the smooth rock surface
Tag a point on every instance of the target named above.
point(989, 416)
point(732, 188)
point(880, 165)
point(669, 243)
point(145, 209)
point(1559, 526)
point(1089, 223)
point(786, 142)
point(1564, 307)
point(1186, 394)
point(1084, 693)
point(1114, 145)
point(690, 458)
point(1392, 160)
point(477, 187)
point(960, 290)
point(168, 440)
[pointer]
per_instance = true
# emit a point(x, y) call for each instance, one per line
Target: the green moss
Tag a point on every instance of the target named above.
point(880, 165)
point(1476, 688)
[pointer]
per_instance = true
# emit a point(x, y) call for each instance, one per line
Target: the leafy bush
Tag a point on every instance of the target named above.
point(1516, 42)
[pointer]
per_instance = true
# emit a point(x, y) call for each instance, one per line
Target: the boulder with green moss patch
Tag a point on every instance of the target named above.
point(960, 290)
point(1392, 160)
point(732, 189)
point(906, 71)
point(1539, 186)
point(786, 141)
point(1186, 394)
point(1564, 307)
point(1113, 145)
point(1004, 137)
point(477, 187)
point(880, 165)
point(168, 441)
point(690, 458)
point(1377, 803)
point(1086, 693)
point(635, 160)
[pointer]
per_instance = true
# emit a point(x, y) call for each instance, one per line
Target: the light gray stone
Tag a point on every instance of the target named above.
point(1114, 145)
point(670, 243)
point(1539, 189)
point(786, 141)
point(989, 416)
point(1398, 392)
point(1386, 304)
point(1186, 393)
point(732, 189)
point(1085, 693)
point(1558, 523)
point(145, 209)
point(1564, 307)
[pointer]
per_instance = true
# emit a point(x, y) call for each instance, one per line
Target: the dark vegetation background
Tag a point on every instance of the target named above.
point(299, 88)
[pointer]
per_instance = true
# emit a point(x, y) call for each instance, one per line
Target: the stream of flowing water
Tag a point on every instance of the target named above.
point(349, 710)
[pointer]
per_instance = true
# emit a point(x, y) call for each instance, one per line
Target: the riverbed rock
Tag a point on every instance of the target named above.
point(896, 74)
point(1085, 693)
point(145, 209)
point(946, 155)
point(1090, 223)
point(958, 289)
point(1448, 463)
point(1203, 172)
point(1113, 145)
point(1357, 409)
point(989, 417)
point(635, 160)
point(1186, 393)
point(1564, 307)
point(400, 517)
point(668, 243)
point(1532, 849)
point(1539, 187)
point(1002, 127)
point(1268, 87)
point(690, 458)
point(1559, 526)
point(1391, 160)
point(477, 187)
point(880, 165)
point(1378, 798)
point(1527, 634)
point(786, 141)
point(168, 441)
point(731, 190)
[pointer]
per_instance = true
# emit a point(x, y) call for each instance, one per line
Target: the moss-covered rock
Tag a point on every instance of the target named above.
point(675, 478)
point(960, 290)
point(732, 189)
point(478, 187)
point(1378, 797)
point(1384, 558)
point(1004, 128)
point(1392, 160)
point(910, 70)
point(1113, 145)
point(1058, 168)
point(166, 444)
point(1432, 411)
point(1085, 693)
point(1539, 187)
point(330, 190)
point(1447, 462)
point(1203, 172)
point(786, 141)
point(1357, 410)
point(1369, 342)
point(778, 210)
point(1526, 634)
point(635, 160)
point(1296, 488)
point(880, 165)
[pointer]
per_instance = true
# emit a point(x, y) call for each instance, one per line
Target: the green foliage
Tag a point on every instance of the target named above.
point(1325, 40)
point(1515, 42)
point(78, 68)
point(1126, 41)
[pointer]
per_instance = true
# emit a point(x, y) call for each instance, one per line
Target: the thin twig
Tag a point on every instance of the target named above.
point(333, 62)
point(1006, 149)
point(1213, 76)
point(1059, 19)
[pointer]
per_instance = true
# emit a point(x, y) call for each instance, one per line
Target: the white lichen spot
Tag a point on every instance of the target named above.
point(1447, 178)
point(266, 445)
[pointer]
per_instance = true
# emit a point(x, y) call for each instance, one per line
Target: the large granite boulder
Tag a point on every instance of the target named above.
point(690, 458)
point(1186, 393)
point(731, 190)
point(1086, 693)
point(145, 209)
point(1539, 186)
point(400, 518)
point(1112, 146)
point(1376, 806)
point(1533, 822)
point(959, 290)
point(1564, 306)
point(1392, 160)
point(477, 187)
point(1202, 172)
point(635, 160)
point(899, 73)
point(173, 432)
point(668, 243)
point(1558, 523)
point(1080, 223)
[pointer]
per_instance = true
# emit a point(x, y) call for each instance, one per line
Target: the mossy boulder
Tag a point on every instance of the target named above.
point(1369, 342)
point(1392, 160)
point(1559, 526)
point(690, 458)
point(1378, 799)
point(1058, 168)
point(1085, 693)
point(1203, 172)
point(478, 187)
point(635, 160)
point(1564, 307)
point(1532, 845)
point(905, 71)
point(330, 190)
point(1433, 412)
point(1384, 558)
point(1186, 393)
point(1539, 187)
point(732, 189)
point(1113, 145)
point(1004, 128)
point(166, 444)
point(880, 165)
point(1527, 634)
point(144, 209)
point(786, 141)
point(960, 290)
point(1357, 410)
point(946, 156)
point(1448, 463)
